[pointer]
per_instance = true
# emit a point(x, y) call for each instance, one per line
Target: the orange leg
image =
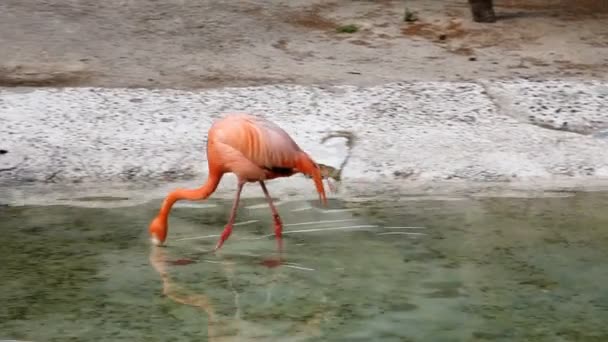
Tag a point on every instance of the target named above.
point(278, 230)
point(278, 225)
point(228, 229)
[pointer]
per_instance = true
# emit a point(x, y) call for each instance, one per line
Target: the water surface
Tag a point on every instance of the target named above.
point(486, 269)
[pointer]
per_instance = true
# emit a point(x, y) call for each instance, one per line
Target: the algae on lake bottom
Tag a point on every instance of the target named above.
point(487, 269)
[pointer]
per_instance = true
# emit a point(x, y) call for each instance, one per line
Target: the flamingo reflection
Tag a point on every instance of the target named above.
point(221, 328)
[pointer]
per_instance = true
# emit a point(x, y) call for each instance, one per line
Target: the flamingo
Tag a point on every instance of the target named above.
point(255, 150)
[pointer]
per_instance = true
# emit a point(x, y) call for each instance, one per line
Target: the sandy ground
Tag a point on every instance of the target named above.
point(204, 43)
point(409, 136)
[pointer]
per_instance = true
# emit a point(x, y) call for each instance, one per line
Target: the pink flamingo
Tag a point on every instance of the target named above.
point(255, 150)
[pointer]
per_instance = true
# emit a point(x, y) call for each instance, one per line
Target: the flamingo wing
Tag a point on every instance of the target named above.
point(260, 141)
point(256, 149)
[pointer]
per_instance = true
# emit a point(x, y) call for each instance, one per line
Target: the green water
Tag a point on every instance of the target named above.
point(486, 269)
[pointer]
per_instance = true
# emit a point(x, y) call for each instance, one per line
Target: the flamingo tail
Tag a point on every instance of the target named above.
point(308, 167)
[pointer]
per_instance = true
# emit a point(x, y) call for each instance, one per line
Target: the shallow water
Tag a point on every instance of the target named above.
point(487, 269)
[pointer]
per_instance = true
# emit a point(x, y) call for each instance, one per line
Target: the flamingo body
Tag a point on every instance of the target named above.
point(255, 150)
point(252, 148)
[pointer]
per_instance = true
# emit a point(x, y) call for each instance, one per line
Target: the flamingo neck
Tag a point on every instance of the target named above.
point(189, 194)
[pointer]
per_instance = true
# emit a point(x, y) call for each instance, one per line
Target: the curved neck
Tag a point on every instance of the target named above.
point(189, 194)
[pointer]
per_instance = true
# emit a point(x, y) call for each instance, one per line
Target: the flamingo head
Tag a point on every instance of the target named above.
point(158, 231)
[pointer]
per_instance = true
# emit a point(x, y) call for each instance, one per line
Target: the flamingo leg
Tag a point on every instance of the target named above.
point(278, 225)
point(235, 205)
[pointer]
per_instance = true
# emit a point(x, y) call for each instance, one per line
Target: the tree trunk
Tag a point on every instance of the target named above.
point(483, 11)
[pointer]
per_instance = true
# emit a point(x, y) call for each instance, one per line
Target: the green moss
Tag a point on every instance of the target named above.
point(350, 28)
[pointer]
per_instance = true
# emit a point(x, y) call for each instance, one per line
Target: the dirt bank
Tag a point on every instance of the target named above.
point(204, 43)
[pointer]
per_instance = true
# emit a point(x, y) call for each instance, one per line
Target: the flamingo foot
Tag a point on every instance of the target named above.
point(225, 234)
point(272, 262)
point(278, 260)
point(182, 262)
